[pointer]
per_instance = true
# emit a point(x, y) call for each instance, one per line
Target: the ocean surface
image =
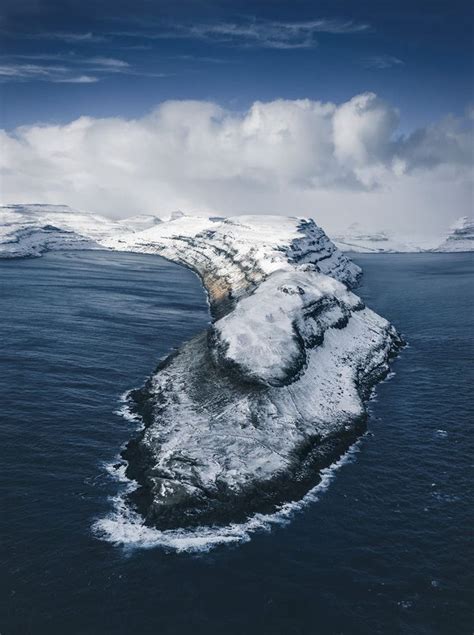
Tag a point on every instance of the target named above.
point(381, 546)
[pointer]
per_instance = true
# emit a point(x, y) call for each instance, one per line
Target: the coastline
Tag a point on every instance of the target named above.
point(243, 417)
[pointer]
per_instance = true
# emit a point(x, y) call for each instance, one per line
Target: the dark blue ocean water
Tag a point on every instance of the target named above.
point(385, 550)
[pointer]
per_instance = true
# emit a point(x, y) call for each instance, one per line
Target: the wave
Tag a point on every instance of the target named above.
point(126, 412)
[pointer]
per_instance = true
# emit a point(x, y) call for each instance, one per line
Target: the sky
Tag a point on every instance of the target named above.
point(345, 111)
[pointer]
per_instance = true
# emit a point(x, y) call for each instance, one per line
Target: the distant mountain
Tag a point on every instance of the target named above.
point(33, 229)
point(30, 230)
point(359, 240)
point(139, 223)
point(460, 237)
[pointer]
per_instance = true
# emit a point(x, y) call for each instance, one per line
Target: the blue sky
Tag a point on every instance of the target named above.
point(63, 59)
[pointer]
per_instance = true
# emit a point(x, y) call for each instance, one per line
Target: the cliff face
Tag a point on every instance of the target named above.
point(244, 416)
point(460, 238)
point(233, 255)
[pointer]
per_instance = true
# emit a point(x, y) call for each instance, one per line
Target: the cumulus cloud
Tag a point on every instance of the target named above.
point(335, 162)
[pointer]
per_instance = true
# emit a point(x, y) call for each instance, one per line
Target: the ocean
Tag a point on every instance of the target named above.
point(381, 546)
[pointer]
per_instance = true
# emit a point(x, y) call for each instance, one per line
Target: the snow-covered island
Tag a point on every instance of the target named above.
point(356, 239)
point(244, 416)
point(460, 237)
point(31, 230)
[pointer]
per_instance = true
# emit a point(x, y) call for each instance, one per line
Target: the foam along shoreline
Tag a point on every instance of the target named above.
point(125, 527)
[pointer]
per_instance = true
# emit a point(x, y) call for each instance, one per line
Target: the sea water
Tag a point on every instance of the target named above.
point(382, 545)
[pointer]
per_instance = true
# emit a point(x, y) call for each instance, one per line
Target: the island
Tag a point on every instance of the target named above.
point(244, 416)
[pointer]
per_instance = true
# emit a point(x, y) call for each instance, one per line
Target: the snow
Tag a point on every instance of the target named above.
point(139, 222)
point(460, 237)
point(30, 230)
point(356, 239)
point(233, 255)
point(266, 333)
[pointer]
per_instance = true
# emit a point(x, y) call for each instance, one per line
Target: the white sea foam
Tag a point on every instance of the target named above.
point(125, 528)
point(125, 411)
point(116, 469)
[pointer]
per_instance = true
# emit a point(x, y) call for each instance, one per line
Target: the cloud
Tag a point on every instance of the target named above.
point(107, 63)
point(24, 72)
point(252, 32)
point(70, 37)
point(283, 35)
point(338, 162)
point(382, 62)
point(43, 72)
point(68, 68)
point(79, 79)
point(245, 32)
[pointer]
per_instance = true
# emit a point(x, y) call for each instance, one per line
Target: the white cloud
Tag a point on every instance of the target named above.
point(67, 68)
point(71, 37)
point(44, 72)
point(336, 162)
point(79, 79)
point(250, 32)
point(107, 63)
point(382, 62)
point(284, 35)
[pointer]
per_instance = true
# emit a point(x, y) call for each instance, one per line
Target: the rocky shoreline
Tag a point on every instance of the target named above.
point(221, 506)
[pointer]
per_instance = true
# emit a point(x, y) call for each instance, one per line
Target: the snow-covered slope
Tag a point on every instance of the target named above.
point(233, 255)
point(357, 240)
point(30, 230)
point(139, 222)
point(244, 416)
point(460, 237)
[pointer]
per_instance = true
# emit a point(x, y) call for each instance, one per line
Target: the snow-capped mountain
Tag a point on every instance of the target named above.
point(358, 240)
point(139, 223)
point(243, 416)
point(30, 230)
point(460, 237)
